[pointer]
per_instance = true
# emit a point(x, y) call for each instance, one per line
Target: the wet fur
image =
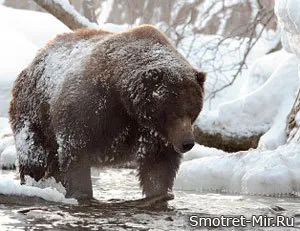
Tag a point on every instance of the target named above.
point(72, 132)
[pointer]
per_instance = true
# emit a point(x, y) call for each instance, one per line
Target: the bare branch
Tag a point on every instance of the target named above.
point(66, 13)
point(250, 44)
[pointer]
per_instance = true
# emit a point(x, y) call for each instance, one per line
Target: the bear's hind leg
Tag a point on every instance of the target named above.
point(32, 155)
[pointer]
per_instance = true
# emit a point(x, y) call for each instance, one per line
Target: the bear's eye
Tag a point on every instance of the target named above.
point(159, 93)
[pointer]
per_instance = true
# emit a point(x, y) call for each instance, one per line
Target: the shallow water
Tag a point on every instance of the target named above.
point(112, 185)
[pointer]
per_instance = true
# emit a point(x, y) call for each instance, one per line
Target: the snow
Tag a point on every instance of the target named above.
point(12, 187)
point(43, 26)
point(113, 27)
point(287, 12)
point(19, 44)
point(26, 149)
point(252, 114)
point(261, 69)
point(4, 127)
point(259, 106)
point(265, 100)
point(47, 189)
point(63, 61)
point(253, 172)
point(8, 156)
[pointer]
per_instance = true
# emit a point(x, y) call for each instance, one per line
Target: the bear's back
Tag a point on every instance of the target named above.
point(71, 55)
point(64, 58)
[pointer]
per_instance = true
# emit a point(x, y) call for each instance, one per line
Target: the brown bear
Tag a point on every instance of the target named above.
point(95, 98)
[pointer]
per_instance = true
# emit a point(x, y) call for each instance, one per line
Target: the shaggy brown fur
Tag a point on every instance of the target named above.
point(98, 98)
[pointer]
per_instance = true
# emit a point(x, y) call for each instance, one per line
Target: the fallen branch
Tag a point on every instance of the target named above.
point(224, 142)
point(66, 13)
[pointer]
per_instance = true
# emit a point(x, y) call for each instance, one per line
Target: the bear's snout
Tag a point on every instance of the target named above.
point(188, 145)
point(181, 135)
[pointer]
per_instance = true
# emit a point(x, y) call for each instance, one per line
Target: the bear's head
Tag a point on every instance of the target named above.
point(168, 101)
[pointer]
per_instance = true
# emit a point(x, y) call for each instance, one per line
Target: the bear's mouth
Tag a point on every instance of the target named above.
point(183, 149)
point(177, 149)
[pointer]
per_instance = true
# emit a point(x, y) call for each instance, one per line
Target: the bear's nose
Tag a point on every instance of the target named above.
point(188, 145)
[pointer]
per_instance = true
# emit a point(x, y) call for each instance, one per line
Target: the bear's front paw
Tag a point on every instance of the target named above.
point(82, 197)
point(155, 202)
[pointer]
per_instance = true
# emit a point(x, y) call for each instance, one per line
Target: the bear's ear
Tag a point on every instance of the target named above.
point(200, 77)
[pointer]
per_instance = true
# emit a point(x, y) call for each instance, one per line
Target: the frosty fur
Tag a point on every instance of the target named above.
point(95, 98)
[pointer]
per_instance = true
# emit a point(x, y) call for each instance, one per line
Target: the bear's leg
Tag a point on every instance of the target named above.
point(157, 171)
point(77, 178)
point(32, 155)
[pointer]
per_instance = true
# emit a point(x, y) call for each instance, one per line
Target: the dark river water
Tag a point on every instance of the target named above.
point(114, 185)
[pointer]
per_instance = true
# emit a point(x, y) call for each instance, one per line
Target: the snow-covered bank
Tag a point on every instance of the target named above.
point(271, 169)
point(257, 111)
point(252, 172)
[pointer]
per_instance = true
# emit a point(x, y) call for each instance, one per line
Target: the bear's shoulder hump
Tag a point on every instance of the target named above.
point(148, 32)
